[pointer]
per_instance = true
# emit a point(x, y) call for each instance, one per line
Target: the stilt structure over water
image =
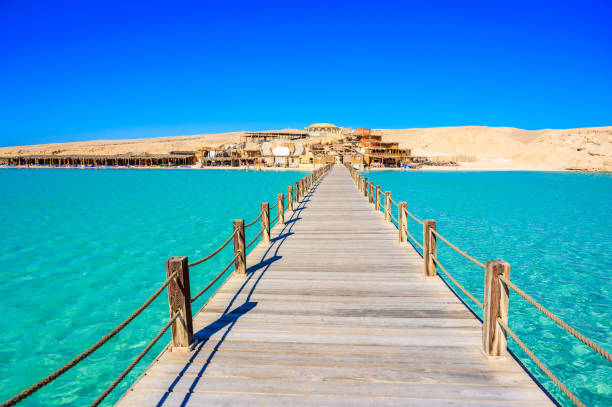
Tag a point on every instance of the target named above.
point(334, 307)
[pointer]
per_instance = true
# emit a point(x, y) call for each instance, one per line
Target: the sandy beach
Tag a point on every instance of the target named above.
point(473, 148)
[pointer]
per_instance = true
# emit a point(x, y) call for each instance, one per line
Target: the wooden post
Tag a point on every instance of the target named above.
point(401, 222)
point(429, 247)
point(377, 198)
point(371, 192)
point(265, 223)
point(281, 208)
point(179, 299)
point(496, 301)
point(301, 188)
point(365, 187)
point(239, 247)
point(290, 198)
point(388, 206)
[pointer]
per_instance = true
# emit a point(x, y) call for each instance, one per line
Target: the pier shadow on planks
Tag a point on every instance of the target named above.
point(233, 312)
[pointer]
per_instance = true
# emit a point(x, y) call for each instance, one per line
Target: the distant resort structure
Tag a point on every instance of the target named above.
point(319, 144)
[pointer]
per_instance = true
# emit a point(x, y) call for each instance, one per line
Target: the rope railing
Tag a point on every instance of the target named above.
point(413, 238)
point(413, 217)
point(254, 221)
point(539, 363)
point(275, 219)
point(215, 279)
point(393, 202)
point(274, 206)
point(40, 384)
point(458, 250)
point(393, 217)
point(558, 320)
point(132, 365)
point(229, 239)
point(434, 258)
point(254, 239)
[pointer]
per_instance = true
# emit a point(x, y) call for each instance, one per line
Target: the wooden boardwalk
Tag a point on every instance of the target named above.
point(334, 312)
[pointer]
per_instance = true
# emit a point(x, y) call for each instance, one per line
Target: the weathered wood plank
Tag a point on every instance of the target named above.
point(334, 311)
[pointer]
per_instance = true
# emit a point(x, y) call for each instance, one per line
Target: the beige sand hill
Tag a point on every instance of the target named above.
point(159, 145)
point(478, 147)
point(474, 147)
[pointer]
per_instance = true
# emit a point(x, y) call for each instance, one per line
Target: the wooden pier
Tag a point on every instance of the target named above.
point(334, 311)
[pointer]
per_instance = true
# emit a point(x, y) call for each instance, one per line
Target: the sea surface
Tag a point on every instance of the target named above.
point(80, 250)
point(555, 230)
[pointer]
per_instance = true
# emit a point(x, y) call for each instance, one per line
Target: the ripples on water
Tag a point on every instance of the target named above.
point(82, 249)
point(555, 231)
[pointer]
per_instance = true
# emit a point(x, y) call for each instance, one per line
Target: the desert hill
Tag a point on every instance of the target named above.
point(473, 147)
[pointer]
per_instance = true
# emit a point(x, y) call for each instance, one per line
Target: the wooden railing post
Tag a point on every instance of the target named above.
point(302, 188)
point(496, 302)
point(429, 248)
point(388, 206)
point(401, 221)
point(265, 223)
point(297, 193)
point(377, 198)
point(179, 298)
point(281, 209)
point(365, 187)
point(371, 192)
point(290, 198)
point(239, 247)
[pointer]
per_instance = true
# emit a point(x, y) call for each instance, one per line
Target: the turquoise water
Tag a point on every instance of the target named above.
point(555, 229)
point(81, 249)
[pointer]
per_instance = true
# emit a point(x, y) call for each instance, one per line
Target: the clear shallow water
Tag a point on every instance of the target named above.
point(81, 249)
point(555, 229)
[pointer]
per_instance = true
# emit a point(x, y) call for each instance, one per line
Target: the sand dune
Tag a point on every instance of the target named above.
point(473, 147)
point(507, 147)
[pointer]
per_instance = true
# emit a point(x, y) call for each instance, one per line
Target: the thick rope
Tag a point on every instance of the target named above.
point(216, 278)
point(131, 366)
point(275, 219)
point(392, 201)
point(458, 250)
point(541, 365)
point(229, 239)
point(413, 217)
point(558, 320)
point(252, 223)
point(253, 241)
point(392, 217)
point(413, 239)
point(457, 283)
point(37, 386)
point(274, 206)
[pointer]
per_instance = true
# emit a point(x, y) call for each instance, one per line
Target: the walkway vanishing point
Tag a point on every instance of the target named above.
point(334, 312)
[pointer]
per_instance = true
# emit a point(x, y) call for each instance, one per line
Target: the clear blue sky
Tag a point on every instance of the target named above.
point(79, 70)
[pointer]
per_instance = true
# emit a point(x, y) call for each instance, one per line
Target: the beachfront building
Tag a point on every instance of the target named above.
point(285, 153)
point(172, 159)
point(377, 153)
point(323, 129)
point(272, 135)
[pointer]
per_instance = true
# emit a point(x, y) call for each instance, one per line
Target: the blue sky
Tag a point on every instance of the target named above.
point(85, 70)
